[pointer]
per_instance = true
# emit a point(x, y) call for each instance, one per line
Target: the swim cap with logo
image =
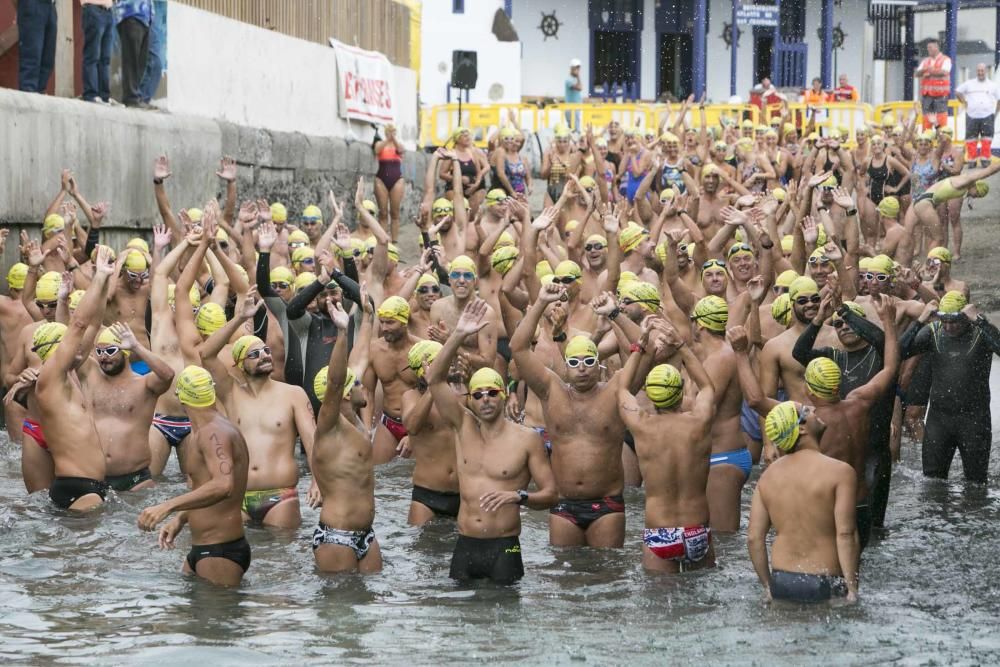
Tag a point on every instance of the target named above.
point(711, 312)
point(428, 279)
point(53, 223)
point(882, 264)
point(940, 253)
point(442, 207)
point(17, 275)
point(664, 386)
point(135, 261)
point(503, 259)
point(643, 293)
point(242, 346)
point(568, 269)
point(889, 207)
point(855, 308)
point(487, 378)
point(47, 287)
point(394, 308)
point(195, 387)
point(495, 196)
point(320, 382)
point(781, 425)
point(298, 236)
point(299, 255)
point(781, 310)
point(194, 294)
point(423, 351)
point(802, 286)
point(952, 302)
point(278, 212)
point(580, 346)
point(823, 378)
point(210, 318)
point(46, 339)
point(542, 269)
point(630, 237)
point(786, 278)
point(505, 240)
point(137, 243)
point(312, 211)
point(74, 298)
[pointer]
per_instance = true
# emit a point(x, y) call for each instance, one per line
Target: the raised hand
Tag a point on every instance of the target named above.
point(551, 292)
point(104, 263)
point(832, 251)
point(263, 211)
point(603, 304)
point(810, 232)
point(359, 192)
point(738, 339)
point(227, 169)
point(338, 315)
point(545, 219)
point(35, 254)
point(819, 178)
point(732, 216)
point(161, 168)
point(248, 214)
point(194, 236)
point(885, 306)
point(473, 318)
point(99, 211)
point(125, 335)
point(161, 236)
point(438, 332)
point(756, 288)
point(842, 198)
point(251, 304)
point(66, 286)
point(65, 177)
point(267, 235)
point(367, 303)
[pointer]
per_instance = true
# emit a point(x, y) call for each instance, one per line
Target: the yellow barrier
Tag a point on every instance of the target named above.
point(439, 122)
point(900, 112)
point(830, 116)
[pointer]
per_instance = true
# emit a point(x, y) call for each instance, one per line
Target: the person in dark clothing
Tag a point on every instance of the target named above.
point(133, 18)
point(859, 362)
point(36, 44)
point(961, 346)
point(98, 37)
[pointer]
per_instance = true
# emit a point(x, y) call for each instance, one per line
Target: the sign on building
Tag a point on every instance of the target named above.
point(364, 83)
point(762, 15)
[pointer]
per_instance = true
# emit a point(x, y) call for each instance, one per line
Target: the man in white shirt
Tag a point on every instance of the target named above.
point(981, 99)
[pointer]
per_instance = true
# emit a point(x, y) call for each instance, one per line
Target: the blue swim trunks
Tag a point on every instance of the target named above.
point(140, 367)
point(738, 457)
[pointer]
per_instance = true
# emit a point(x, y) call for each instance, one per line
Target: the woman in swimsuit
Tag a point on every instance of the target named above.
point(512, 174)
point(636, 164)
point(473, 165)
point(389, 184)
point(558, 162)
point(616, 144)
point(876, 175)
point(753, 168)
point(952, 164)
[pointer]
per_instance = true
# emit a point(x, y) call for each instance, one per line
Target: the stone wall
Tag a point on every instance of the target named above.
point(111, 152)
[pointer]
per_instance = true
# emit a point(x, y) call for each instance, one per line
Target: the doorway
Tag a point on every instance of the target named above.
point(674, 67)
point(616, 58)
point(763, 53)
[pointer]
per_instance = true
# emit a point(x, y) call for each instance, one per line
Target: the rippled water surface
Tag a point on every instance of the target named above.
point(95, 590)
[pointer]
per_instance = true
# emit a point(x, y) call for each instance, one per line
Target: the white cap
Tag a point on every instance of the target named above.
point(575, 62)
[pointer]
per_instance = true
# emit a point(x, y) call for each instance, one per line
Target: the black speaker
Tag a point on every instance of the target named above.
point(464, 70)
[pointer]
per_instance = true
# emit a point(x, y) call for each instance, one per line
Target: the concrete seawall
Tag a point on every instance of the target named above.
point(111, 152)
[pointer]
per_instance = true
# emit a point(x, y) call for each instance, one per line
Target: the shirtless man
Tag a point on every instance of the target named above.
point(123, 403)
point(809, 499)
point(65, 411)
point(13, 319)
point(435, 475)
point(271, 413)
point(675, 469)
point(496, 460)
point(428, 291)
point(343, 467)
point(129, 298)
point(217, 464)
point(481, 351)
point(390, 367)
point(581, 417)
point(938, 273)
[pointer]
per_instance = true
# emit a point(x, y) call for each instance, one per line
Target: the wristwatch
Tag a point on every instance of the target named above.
point(851, 211)
point(614, 313)
point(559, 338)
point(522, 497)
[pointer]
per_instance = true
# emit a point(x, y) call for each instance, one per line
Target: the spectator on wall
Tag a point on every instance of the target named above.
point(36, 43)
point(98, 38)
point(133, 18)
point(156, 61)
point(574, 92)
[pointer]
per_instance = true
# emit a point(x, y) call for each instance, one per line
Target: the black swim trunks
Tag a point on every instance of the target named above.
point(67, 490)
point(802, 587)
point(237, 551)
point(497, 559)
point(129, 481)
point(585, 512)
point(442, 503)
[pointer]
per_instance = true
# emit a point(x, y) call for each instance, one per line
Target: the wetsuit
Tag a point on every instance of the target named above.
point(858, 367)
point(959, 412)
point(309, 337)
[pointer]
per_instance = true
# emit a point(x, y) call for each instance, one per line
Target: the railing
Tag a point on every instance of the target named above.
point(376, 25)
point(899, 112)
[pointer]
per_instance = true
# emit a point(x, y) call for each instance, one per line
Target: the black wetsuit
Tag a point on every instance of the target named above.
point(309, 337)
point(959, 412)
point(858, 367)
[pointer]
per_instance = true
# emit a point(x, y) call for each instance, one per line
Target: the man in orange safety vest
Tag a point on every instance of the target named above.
point(935, 85)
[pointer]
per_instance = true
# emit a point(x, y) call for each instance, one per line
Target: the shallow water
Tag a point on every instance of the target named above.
point(96, 590)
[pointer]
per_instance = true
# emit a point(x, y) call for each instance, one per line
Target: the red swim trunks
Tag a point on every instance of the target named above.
point(395, 427)
point(34, 429)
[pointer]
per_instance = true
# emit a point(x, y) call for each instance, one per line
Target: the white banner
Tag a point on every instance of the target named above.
point(364, 83)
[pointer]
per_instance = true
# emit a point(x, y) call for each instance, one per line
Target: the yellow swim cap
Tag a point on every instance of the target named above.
point(788, 128)
point(74, 298)
point(508, 133)
point(53, 223)
point(107, 337)
point(462, 263)
point(195, 387)
point(830, 182)
point(588, 182)
point(940, 253)
point(195, 214)
point(713, 264)
point(781, 310)
point(428, 279)
point(982, 188)
point(370, 206)
point(46, 339)
point(823, 378)
point(495, 196)
point(661, 251)
point(304, 279)
point(802, 286)
point(242, 346)
point(882, 264)
point(786, 278)
point(747, 123)
point(298, 236)
point(312, 212)
point(666, 195)
point(779, 194)
point(278, 212)
point(281, 274)
point(865, 263)
point(643, 293)
point(595, 239)
point(487, 378)
point(320, 382)
point(394, 308)
point(210, 318)
point(393, 252)
point(669, 138)
point(503, 259)
point(442, 207)
point(47, 287)
point(561, 131)
point(782, 425)
point(711, 312)
point(17, 275)
point(424, 351)
point(739, 250)
point(855, 308)
point(194, 293)
point(543, 268)
point(787, 242)
point(570, 226)
point(93, 253)
point(664, 386)
point(952, 302)
point(506, 240)
point(140, 244)
point(927, 135)
point(889, 207)
point(135, 261)
point(568, 269)
point(299, 255)
point(580, 346)
point(625, 278)
point(630, 237)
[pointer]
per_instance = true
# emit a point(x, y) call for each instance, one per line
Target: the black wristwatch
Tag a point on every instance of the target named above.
point(560, 338)
point(522, 497)
point(614, 313)
point(157, 181)
point(767, 247)
point(851, 211)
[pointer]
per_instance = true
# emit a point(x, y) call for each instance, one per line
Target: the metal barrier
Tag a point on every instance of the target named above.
point(899, 112)
point(830, 116)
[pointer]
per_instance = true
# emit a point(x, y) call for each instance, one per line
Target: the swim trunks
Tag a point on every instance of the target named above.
point(140, 367)
point(682, 545)
point(750, 422)
point(442, 503)
point(129, 481)
point(503, 348)
point(497, 559)
point(34, 429)
point(629, 440)
point(863, 521)
point(67, 490)
point(258, 503)
point(357, 540)
point(237, 551)
point(582, 513)
point(395, 426)
point(802, 587)
point(737, 457)
point(174, 429)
